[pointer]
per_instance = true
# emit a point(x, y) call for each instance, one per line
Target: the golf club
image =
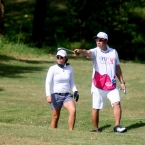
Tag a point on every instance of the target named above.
point(62, 48)
point(123, 90)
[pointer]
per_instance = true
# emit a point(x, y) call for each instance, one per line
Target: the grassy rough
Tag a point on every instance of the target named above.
point(25, 115)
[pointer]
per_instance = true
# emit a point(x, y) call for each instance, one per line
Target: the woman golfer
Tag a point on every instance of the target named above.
point(59, 81)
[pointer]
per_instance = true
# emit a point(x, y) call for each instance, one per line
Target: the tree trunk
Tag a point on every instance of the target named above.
point(38, 23)
point(1, 16)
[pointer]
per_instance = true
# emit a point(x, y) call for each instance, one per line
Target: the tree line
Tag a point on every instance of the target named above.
point(63, 22)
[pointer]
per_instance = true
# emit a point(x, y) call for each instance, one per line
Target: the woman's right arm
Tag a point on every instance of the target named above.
point(48, 83)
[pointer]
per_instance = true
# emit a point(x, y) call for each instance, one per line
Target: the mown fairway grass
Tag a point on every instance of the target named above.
point(25, 115)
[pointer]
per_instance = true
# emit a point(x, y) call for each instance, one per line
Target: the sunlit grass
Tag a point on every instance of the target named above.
point(25, 115)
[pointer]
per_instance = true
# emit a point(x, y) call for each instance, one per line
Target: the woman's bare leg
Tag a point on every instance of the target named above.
point(70, 106)
point(55, 118)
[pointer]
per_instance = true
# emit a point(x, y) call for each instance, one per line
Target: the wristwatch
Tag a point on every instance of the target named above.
point(122, 82)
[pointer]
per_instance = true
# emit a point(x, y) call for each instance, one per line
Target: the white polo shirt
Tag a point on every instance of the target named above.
point(60, 80)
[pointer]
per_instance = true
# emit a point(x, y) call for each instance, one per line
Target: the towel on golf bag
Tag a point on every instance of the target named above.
point(103, 82)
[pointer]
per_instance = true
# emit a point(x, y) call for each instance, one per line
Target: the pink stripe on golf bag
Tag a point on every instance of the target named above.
point(103, 82)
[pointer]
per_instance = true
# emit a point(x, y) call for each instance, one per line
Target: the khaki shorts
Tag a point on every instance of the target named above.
point(99, 98)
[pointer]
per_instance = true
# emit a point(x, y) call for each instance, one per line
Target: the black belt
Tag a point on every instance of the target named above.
point(61, 94)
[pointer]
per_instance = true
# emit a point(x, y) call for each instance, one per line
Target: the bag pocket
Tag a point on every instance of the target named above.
point(103, 82)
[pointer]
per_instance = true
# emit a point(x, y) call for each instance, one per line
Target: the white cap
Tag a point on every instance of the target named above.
point(61, 53)
point(101, 35)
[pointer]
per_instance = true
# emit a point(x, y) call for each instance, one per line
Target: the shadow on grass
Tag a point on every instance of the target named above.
point(136, 125)
point(9, 58)
point(34, 61)
point(13, 71)
point(105, 126)
point(6, 58)
point(1, 89)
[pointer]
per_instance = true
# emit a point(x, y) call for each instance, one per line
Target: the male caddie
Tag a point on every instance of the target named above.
point(106, 69)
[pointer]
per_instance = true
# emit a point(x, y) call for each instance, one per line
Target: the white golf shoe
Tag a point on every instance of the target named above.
point(120, 129)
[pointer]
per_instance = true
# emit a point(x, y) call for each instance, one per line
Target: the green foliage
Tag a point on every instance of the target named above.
point(18, 49)
point(69, 21)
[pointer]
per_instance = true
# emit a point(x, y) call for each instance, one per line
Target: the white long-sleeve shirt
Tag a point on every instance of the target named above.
point(59, 80)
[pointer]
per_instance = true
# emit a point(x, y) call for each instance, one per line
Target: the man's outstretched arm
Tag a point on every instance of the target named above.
point(83, 52)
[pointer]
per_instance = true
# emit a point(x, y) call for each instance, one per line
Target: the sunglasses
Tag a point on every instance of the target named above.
point(99, 40)
point(59, 57)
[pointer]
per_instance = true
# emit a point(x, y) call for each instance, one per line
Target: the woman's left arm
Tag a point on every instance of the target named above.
point(72, 82)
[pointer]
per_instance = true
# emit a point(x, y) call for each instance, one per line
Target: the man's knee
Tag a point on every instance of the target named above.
point(117, 106)
point(117, 103)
